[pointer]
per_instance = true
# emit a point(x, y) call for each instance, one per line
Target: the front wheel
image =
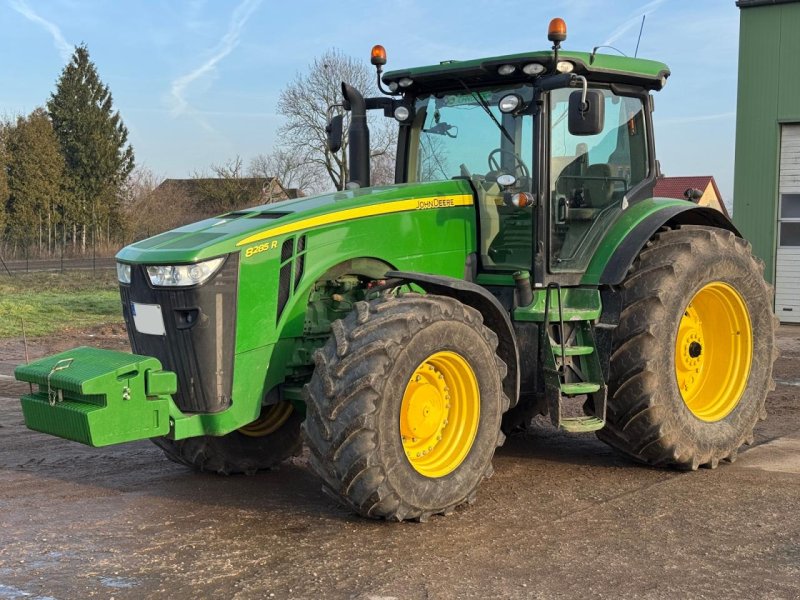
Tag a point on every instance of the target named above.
point(263, 444)
point(404, 407)
point(692, 355)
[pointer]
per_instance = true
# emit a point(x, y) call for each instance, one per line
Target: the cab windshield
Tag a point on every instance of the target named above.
point(455, 136)
point(465, 134)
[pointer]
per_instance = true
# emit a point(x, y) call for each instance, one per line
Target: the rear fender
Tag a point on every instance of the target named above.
point(629, 234)
point(495, 317)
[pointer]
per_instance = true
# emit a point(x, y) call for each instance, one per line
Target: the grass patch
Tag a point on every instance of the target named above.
point(54, 302)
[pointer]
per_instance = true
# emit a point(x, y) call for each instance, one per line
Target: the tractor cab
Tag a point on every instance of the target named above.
point(555, 146)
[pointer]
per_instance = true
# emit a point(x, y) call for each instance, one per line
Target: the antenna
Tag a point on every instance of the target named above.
point(641, 28)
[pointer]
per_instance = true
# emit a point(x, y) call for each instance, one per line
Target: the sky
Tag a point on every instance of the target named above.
point(197, 82)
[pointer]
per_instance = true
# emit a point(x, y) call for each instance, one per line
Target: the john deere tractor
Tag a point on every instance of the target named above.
point(518, 266)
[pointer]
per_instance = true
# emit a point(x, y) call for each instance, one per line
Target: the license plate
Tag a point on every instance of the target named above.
point(147, 318)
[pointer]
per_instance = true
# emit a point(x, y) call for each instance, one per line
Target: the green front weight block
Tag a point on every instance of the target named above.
point(98, 397)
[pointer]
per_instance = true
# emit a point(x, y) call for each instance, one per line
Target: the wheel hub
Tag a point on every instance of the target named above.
point(427, 406)
point(439, 414)
point(689, 349)
point(713, 351)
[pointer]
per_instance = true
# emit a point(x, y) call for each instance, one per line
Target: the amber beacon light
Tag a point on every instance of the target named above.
point(378, 55)
point(556, 32)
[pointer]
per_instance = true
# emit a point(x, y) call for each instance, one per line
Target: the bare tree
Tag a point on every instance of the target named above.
point(292, 167)
point(383, 140)
point(226, 188)
point(148, 210)
point(304, 103)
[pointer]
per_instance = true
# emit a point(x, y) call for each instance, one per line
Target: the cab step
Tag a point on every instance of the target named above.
point(581, 387)
point(571, 367)
point(582, 424)
point(574, 350)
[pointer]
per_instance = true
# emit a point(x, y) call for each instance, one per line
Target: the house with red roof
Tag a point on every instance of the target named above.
point(677, 187)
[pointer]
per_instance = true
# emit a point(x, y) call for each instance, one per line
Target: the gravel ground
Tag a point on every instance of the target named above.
point(563, 517)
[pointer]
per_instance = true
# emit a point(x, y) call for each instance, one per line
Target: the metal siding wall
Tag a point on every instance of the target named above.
point(789, 86)
point(757, 131)
point(787, 268)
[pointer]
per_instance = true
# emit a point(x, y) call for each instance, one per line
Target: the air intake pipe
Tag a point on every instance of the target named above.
point(358, 137)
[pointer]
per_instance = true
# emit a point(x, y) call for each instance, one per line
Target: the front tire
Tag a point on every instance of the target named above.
point(692, 355)
point(404, 407)
point(261, 445)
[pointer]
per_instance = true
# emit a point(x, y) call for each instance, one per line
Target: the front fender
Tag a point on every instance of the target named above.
point(637, 224)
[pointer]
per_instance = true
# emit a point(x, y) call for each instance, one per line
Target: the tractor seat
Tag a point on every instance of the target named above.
point(598, 186)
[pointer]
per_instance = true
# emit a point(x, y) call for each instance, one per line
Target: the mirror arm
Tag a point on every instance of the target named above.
point(330, 110)
point(585, 83)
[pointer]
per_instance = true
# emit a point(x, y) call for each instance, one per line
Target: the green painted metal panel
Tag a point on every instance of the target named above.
point(619, 231)
point(220, 235)
point(768, 93)
point(577, 304)
point(600, 63)
point(98, 397)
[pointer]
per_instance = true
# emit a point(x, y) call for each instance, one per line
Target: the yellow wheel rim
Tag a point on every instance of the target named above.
point(272, 418)
point(439, 414)
point(713, 351)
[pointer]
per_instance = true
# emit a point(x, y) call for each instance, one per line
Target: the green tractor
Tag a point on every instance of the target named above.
point(518, 266)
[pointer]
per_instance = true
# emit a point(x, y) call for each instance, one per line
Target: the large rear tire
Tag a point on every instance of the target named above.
point(404, 407)
point(692, 355)
point(261, 445)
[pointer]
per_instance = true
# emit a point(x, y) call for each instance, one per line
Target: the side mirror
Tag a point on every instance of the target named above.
point(586, 118)
point(334, 131)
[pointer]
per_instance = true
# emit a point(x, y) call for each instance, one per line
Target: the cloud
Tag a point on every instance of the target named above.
point(633, 21)
point(62, 45)
point(224, 47)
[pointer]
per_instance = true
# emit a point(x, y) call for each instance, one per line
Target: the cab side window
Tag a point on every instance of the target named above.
point(590, 176)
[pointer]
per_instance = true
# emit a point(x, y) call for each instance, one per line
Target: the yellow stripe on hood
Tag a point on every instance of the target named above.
point(371, 210)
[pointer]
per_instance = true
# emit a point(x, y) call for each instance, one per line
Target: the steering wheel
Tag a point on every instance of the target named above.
point(518, 164)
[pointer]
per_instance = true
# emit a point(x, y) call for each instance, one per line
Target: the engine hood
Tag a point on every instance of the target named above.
point(233, 231)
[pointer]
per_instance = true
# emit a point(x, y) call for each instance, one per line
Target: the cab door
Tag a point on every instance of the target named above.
point(592, 178)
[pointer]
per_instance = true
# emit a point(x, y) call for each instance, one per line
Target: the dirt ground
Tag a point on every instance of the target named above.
point(563, 517)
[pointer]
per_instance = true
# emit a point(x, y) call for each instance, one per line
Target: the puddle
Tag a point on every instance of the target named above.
point(120, 583)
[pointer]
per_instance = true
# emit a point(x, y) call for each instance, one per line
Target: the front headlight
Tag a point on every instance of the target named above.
point(184, 275)
point(123, 272)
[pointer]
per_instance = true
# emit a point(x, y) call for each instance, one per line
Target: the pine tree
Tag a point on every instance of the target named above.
point(94, 143)
point(35, 169)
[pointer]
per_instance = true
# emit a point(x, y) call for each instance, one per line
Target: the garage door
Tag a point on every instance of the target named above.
point(787, 265)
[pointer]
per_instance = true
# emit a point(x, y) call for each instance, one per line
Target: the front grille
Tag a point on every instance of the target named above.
point(200, 324)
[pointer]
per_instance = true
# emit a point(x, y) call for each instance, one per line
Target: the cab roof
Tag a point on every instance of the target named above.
point(607, 68)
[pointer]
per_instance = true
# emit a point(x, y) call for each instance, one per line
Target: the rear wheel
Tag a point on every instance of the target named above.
point(693, 352)
point(404, 407)
point(263, 444)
